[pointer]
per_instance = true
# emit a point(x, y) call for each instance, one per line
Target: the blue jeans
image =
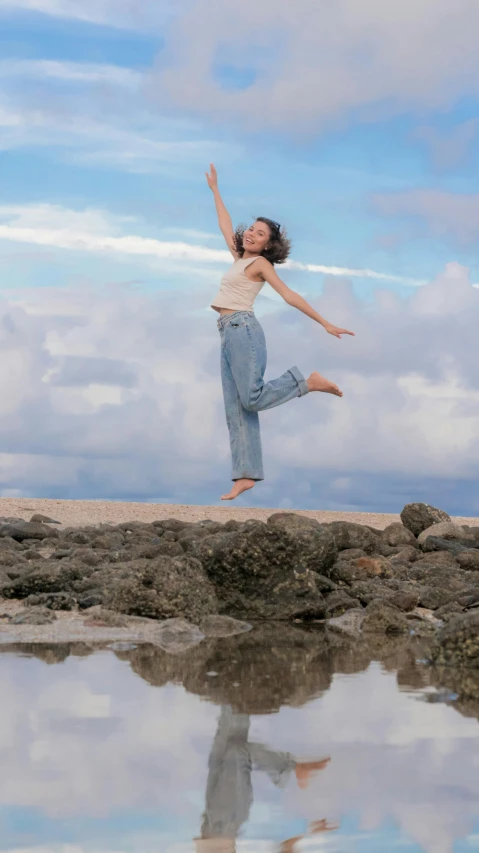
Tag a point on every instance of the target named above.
point(243, 363)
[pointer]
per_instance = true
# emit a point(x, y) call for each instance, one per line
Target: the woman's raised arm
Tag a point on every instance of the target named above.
point(292, 298)
point(224, 219)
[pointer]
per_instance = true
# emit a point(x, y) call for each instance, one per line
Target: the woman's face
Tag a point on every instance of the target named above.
point(256, 238)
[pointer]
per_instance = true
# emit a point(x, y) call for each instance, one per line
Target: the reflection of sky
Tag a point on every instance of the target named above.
point(95, 760)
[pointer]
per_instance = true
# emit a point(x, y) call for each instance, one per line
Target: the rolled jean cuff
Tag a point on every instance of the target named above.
point(302, 384)
point(258, 476)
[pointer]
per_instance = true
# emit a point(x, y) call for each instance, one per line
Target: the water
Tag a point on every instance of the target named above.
point(220, 749)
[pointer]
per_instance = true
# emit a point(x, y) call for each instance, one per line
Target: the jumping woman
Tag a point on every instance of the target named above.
point(243, 349)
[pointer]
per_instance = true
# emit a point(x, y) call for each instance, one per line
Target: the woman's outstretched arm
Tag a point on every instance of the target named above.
point(224, 219)
point(268, 272)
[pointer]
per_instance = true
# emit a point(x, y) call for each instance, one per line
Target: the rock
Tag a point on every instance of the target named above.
point(263, 572)
point(419, 516)
point(468, 560)
point(364, 567)
point(91, 599)
point(448, 611)
point(408, 553)
point(101, 617)
point(452, 546)
point(349, 623)
point(28, 530)
point(43, 519)
point(164, 588)
point(34, 616)
point(176, 636)
point(444, 530)
point(405, 600)
point(339, 602)
point(436, 559)
point(315, 541)
point(348, 535)
point(381, 618)
point(52, 600)
point(223, 626)
point(397, 534)
point(458, 642)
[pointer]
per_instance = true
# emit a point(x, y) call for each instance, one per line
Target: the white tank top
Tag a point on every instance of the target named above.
point(237, 292)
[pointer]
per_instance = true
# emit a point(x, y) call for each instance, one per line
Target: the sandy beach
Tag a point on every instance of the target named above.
point(79, 513)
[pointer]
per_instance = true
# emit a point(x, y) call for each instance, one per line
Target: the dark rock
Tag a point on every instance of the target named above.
point(445, 530)
point(43, 519)
point(315, 541)
point(90, 599)
point(263, 572)
point(437, 543)
point(468, 560)
point(165, 588)
point(448, 611)
point(349, 623)
point(339, 602)
point(34, 616)
point(52, 600)
point(173, 525)
point(46, 576)
point(437, 559)
point(109, 541)
point(101, 617)
point(28, 530)
point(433, 597)
point(347, 535)
point(419, 516)
point(324, 584)
point(397, 534)
point(407, 553)
point(349, 571)
point(381, 618)
point(223, 626)
point(405, 600)
point(458, 642)
point(367, 590)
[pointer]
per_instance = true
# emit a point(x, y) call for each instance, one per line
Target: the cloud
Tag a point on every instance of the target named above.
point(113, 13)
point(449, 148)
point(50, 225)
point(308, 64)
point(113, 393)
point(454, 216)
point(71, 72)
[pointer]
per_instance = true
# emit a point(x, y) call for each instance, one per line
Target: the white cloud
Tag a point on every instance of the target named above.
point(449, 148)
point(454, 216)
point(81, 72)
point(113, 13)
point(320, 61)
point(124, 391)
point(49, 225)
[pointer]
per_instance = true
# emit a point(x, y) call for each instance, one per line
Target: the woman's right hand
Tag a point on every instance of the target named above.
point(212, 178)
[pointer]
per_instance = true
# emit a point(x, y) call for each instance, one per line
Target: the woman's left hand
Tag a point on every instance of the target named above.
point(336, 331)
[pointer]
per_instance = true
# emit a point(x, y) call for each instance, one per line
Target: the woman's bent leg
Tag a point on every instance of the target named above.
point(243, 427)
point(245, 349)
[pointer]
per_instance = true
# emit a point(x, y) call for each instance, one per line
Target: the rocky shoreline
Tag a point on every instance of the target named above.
point(417, 577)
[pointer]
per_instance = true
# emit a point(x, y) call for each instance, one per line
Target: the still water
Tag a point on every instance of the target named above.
point(271, 742)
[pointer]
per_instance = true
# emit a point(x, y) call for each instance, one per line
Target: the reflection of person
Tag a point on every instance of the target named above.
point(243, 350)
point(229, 792)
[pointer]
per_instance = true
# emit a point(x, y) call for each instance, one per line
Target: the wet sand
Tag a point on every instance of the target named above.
point(80, 513)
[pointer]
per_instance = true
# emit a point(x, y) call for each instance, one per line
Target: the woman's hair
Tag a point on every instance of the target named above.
point(279, 245)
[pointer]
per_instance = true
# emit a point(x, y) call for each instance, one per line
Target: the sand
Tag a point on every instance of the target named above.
point(80, 513)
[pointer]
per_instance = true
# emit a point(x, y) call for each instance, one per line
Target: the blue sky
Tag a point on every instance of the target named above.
point(358, 130)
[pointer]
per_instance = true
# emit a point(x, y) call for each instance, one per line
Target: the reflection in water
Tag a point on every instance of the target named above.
point(275, 741)
point(229, 792)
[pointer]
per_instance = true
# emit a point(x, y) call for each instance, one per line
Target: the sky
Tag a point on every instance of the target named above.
point(353, 124)
point(97, 760)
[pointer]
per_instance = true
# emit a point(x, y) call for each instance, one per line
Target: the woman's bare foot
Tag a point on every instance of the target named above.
point(316, 382)
point(239, 487)
point(305, 769)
